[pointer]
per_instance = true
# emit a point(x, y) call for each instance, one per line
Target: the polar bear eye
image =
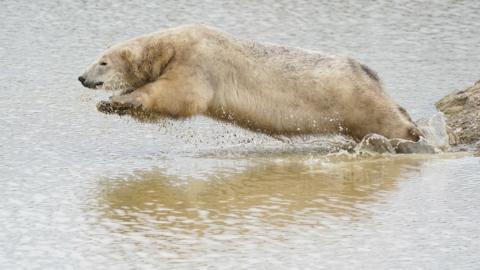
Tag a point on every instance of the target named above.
point(103, 63)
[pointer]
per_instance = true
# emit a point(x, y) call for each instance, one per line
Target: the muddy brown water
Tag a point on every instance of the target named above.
point(83, 190)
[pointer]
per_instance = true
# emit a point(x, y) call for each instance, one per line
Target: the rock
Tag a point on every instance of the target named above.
point(407, 147)
point(377, 144)
point(462, 110)
point(374, 143)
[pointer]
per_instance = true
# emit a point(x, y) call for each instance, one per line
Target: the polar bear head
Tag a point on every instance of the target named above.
point(128, 65)
point(107, 71)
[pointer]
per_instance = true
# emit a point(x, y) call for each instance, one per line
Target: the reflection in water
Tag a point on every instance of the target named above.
point(277, 193)
point(278, 211)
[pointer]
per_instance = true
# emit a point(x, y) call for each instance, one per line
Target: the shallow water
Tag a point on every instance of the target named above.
point(85, 190)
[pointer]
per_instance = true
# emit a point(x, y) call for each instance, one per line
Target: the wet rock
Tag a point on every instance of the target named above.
point(462, 110)
point(407, 147)
point(374, 143)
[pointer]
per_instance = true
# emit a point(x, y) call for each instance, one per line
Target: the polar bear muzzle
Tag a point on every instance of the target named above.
point(89, 84)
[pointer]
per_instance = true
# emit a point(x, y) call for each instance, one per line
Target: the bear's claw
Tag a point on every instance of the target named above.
point(135, 111)
point(109, 107)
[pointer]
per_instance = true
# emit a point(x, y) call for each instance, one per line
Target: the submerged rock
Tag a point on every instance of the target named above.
point(374, 143)
point(462, 111)
point(407, 147)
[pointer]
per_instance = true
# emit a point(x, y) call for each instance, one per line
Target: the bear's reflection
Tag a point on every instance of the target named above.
point(268, 193)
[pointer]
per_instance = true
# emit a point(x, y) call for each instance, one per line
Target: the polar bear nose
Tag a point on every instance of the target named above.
point(81, 79)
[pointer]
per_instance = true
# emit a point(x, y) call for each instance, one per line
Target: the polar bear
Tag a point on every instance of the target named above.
point(196, 69)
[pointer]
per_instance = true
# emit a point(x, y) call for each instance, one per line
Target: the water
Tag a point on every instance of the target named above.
point(85, 190)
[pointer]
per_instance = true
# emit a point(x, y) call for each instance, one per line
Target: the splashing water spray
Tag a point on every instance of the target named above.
point(435, 130)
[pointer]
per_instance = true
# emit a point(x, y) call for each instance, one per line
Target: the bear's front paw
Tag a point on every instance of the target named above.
point(110, 107)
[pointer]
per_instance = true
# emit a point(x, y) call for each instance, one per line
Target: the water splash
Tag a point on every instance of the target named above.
point(435, 130)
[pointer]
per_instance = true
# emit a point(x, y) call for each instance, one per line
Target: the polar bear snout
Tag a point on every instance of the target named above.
point(89, 84)
point(84, 81)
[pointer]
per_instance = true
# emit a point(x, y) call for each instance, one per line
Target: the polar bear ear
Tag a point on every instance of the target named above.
point(131, 64)
point(128, 56)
